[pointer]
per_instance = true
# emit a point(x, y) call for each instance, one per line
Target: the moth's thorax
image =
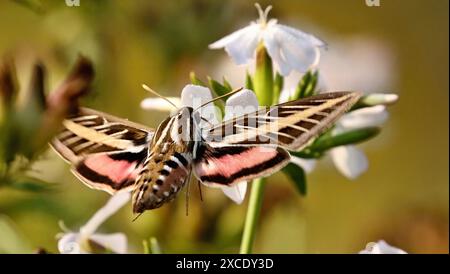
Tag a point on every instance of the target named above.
point(166, 169)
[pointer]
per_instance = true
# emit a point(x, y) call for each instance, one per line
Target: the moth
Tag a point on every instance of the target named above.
point(113, 154)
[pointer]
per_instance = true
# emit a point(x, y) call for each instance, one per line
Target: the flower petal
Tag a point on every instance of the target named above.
point(380, 99)
point(241, 44)
point(274, 50)
point(364, 117)
point(286, 94)
point(116, 202)
point(307, 164)
point(68, 244)
point(381, 247)
point(160, 104)
point(116, 242)
point(349, 160)
point(241, 103)
point(194, 96)
point(291, 49)
point(236, 192)
point(300, 51)
point(300, 35)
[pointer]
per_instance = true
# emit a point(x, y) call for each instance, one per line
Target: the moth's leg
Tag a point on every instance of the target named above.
point(188, 178)
point(200, 190)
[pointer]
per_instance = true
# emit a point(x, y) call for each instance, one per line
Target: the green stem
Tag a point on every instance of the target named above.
point(263, 79)
point(263, 84)
point(253, 212)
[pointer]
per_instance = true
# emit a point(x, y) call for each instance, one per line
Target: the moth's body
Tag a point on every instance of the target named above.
point(113, 154)
point(167, 167)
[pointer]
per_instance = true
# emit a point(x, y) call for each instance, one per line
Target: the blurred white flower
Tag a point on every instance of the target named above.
point(361, 63)
point(84, 241)
point(379, 99)
point(289, 48)
point(349, 160)
point(381, 247)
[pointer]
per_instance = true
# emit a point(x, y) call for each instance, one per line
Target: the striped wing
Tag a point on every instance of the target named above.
point(227, 165)
point(106, 152)
point(289, 125)
point(254, 145)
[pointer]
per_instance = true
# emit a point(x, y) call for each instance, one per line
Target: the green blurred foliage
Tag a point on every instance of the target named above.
point(403, 198)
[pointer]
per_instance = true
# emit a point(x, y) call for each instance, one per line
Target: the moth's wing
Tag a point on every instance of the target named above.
point(90, 131)
point(110, 171)
point(226, 165)
point(105, 152)
point(289, 125)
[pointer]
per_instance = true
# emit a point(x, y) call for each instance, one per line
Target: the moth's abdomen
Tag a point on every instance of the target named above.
point(160, 181)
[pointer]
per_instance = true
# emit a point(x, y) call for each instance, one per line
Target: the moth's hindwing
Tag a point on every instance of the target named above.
point(289, 125)
point(105, 152)
point(223, 166)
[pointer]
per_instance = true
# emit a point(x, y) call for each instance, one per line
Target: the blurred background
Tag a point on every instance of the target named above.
point(400, 47)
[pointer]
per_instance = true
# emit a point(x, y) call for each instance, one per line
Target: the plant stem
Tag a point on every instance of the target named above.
point(263, 84)
point(253, 212)
point(263, 79)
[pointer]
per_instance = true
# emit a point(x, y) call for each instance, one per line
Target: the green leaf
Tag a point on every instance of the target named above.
point(307, 85)
point(297, 176)
point(345, 138)
point(217, 87)
point(31, 184)
point(155, 247)
point(227, 84)
point(306, 153)
point(152, 246)
point(311, 87)
point(278, 86)
point(195, 80)
point(249, 82)
point(146, 247)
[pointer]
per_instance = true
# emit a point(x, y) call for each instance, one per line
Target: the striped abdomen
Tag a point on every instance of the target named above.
point(160, 180)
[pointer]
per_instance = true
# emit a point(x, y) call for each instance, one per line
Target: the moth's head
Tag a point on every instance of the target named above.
point(183, 125)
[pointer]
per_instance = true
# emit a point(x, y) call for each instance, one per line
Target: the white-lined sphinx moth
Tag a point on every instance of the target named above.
point(113, 154)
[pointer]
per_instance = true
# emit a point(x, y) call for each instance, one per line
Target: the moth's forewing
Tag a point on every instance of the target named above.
point(236, 155)
point(289, 125)
point(105, 152)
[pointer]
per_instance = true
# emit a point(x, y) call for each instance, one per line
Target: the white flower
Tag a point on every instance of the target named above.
point(381, 247)
point(289, 48)
point(349, 160)
point(83, 241)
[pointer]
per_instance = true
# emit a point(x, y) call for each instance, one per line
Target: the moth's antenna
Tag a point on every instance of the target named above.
point(147, 88)
point(220, 97)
